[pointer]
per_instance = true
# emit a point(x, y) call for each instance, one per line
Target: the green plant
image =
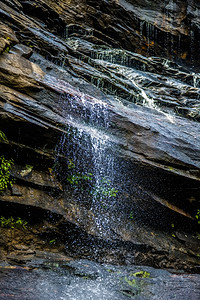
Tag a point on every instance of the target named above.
point(52, 242)
point(104, 189)
point(197, 216)
point(71, 164)
point(5, 178)
point(13, 223)
point(76, 178)
point(19, 223)
point(7, 49)
point(131, 215)
point(29, 167)
point(141, 274)
point(110, 271)
point(3, 137)
point(29, 44)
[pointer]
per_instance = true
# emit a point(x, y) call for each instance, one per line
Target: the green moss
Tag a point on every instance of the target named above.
point(13, 223)
point(170, 168)
point(132, 282)
point(113, 271)
point(3, 137)
point(29, 167)
point(141, 274)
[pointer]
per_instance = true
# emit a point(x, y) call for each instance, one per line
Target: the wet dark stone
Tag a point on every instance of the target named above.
point(123, 71)
point(86, 280)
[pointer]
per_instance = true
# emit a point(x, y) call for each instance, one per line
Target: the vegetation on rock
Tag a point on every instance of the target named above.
point(5, 178)
point(3, 136)
point(13, 223)
point(197, 216)
point(141, 274)
point(99, 188)
point(104, 189)
point(77, 178)
point(5, 167)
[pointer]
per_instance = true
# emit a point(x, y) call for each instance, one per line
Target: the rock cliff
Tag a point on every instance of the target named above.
point(62, 66)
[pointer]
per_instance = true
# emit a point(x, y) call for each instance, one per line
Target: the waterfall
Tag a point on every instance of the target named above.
point(157, 83)
point(85, 160)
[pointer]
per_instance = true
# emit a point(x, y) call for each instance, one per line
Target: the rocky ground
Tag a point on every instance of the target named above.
point(83, 279)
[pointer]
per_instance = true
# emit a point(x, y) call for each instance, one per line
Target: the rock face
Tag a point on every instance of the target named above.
point(119, 71)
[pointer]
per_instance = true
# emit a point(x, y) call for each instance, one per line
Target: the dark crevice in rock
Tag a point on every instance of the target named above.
point(46, 16)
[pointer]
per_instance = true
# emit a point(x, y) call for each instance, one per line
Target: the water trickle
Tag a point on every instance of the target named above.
point(157, 83)
point(141, 96)
point(141, 27)
point(192, 46)
point(196, 80)
point(115, 56)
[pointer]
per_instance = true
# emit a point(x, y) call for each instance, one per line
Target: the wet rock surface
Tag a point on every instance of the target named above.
point(73, 235)
point(58, 73)
point(83, 279)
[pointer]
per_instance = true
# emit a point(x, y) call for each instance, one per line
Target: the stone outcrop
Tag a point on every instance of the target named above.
point(56, 55)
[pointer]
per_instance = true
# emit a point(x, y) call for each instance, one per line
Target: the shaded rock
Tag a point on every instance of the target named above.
point(21, 73)
point(22, 50)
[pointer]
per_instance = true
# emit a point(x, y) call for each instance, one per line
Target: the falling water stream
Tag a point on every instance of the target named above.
point(89, 165)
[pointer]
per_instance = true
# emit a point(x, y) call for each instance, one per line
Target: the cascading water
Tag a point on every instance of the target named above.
point(153, 82)
point(88, 160)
